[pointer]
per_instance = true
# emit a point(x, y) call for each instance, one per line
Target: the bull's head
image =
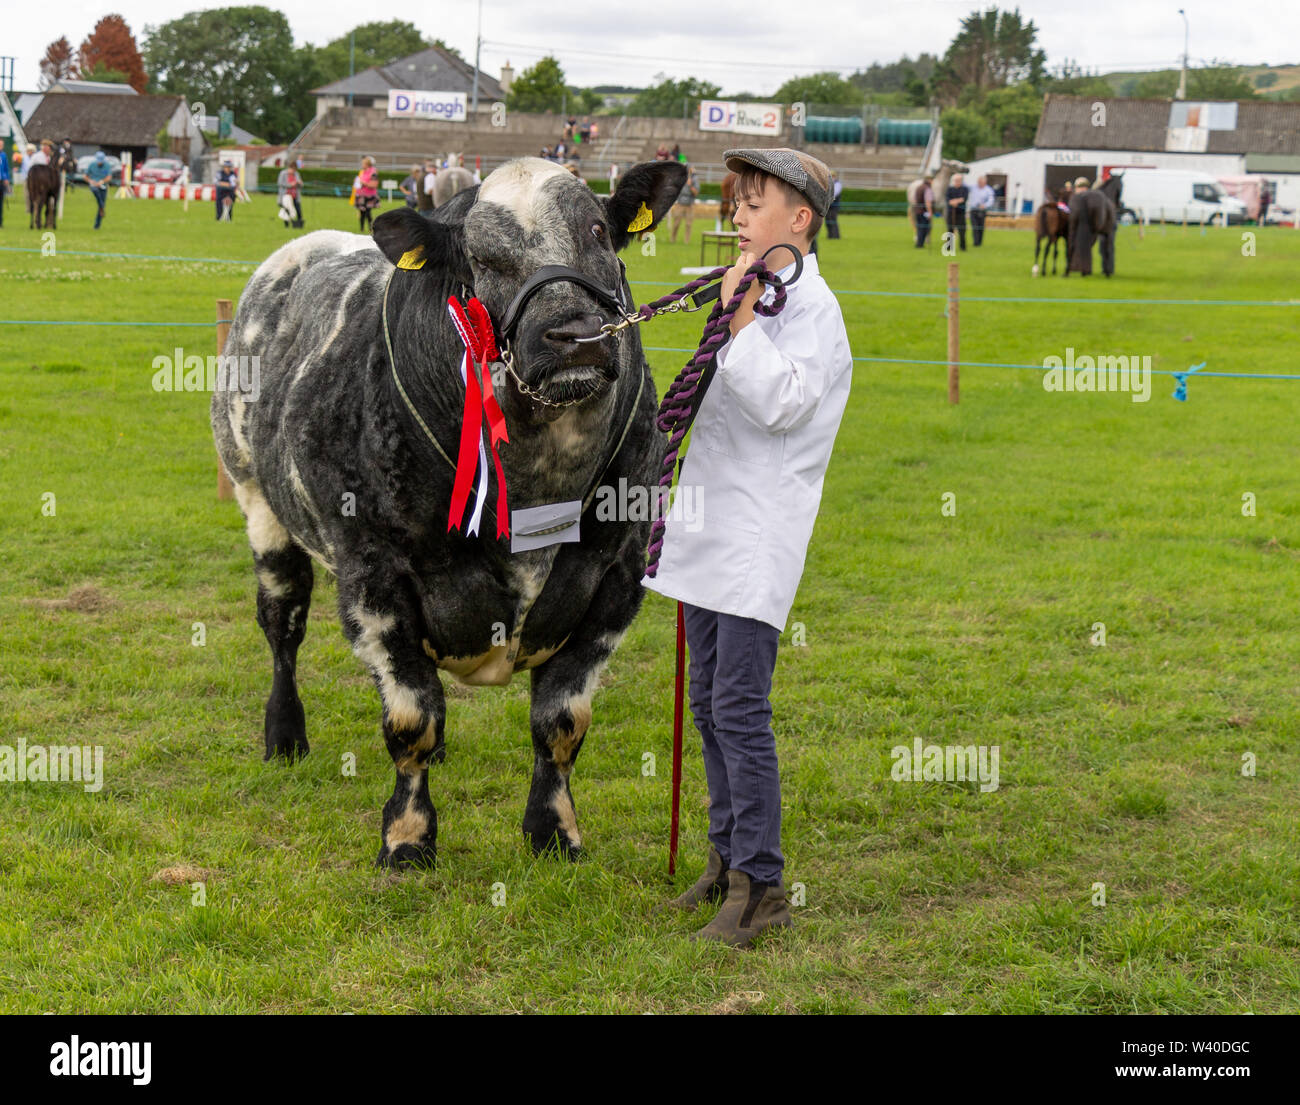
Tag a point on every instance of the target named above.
point(527, 215)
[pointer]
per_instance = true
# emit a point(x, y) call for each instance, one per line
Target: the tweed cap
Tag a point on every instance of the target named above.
point(810, 177)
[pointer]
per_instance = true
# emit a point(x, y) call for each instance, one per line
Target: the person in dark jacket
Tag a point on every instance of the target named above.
point(954, 213)
point(833, 212)
point(227, 186)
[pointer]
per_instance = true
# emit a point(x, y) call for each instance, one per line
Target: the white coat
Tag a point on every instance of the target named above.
point(735, 542)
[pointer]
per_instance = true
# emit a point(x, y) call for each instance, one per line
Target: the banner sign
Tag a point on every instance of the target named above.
point(451, 107)
point(740, 118)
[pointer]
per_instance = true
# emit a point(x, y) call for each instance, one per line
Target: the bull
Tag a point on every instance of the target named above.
point(345, 458)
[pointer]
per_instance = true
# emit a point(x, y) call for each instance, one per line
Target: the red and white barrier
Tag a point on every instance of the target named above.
point(175, 191)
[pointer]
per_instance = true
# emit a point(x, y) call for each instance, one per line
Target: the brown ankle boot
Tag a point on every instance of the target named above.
point(747, 911)
point(711, 886)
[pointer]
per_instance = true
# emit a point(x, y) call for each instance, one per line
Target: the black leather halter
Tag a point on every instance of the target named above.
point(614, 298)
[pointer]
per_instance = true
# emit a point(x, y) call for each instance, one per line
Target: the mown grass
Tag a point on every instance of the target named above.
point(1120, 764)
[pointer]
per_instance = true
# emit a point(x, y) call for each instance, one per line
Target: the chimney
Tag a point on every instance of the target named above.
point(507, 76)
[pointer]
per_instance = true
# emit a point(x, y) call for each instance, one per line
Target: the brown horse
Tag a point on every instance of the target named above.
point(727, 202)
point(1052, 223)
point(42, 196)
point(44, 186)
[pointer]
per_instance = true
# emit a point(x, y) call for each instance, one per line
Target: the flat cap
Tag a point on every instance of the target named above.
point(802, 171)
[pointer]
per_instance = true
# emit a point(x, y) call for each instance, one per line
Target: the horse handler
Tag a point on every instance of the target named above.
point(98, 174)
point(759, 449)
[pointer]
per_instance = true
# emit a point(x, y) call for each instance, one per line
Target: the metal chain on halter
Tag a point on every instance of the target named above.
point(679, 405)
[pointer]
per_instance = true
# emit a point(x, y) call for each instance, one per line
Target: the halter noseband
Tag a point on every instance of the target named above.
point(614, 298)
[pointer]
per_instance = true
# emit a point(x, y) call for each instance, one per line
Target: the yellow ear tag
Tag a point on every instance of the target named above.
point(641, 219)
point(412, 259)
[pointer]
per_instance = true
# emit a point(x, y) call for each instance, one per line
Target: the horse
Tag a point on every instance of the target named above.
point(448, 182)
point(1093, 217)
point(1052, 223)
point(42, 197)
point(727, 198)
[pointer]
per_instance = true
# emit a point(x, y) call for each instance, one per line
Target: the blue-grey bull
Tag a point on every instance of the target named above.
point(346, 453)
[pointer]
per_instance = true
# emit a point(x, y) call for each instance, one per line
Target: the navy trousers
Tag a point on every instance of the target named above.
point(732, 660)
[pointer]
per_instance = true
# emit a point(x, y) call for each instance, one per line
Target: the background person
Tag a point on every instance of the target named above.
point(981, 202)
point(424, 197)
point(955, 208)
point(833, 212)
point(410, 186)
point(6, 183)
point(98, 174)
point(924, 211)
point(367, 192)
point(683, 211)
point(227, 186)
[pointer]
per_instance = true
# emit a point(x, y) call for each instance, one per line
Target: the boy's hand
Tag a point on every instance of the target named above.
point(730, 281)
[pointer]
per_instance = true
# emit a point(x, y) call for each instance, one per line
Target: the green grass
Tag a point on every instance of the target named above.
point(1119, 765)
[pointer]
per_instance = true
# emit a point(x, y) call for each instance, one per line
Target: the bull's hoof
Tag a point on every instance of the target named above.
point(556, 844)
point(407, 856)
point(285, 730)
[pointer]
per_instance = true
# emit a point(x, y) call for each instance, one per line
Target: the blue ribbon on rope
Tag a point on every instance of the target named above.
point(1180, 392)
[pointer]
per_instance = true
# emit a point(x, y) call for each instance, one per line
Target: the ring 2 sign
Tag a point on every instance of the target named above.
point(740, 118)
point(405, 103)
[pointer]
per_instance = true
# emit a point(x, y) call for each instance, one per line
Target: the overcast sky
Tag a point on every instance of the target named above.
point(754, 46)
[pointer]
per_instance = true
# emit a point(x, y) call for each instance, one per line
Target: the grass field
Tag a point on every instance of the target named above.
point(1120, 764)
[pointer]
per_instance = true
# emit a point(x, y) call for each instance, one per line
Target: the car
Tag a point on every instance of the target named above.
point(160, 170)
point(79, 176)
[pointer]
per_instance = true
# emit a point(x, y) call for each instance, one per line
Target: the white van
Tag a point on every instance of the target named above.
point(1176, 195)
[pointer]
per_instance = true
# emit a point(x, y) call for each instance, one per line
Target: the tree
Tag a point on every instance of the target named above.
point(963, 130)
point(992, 49)
point(1070, 79)
point(112, 46)
point(894, 77)
point(819, 88)
point(540, 87)
point(1219, 81)
point(105, 75)
point(1156, 86)
point(242, 58)
point(375, 44)
point(669, 98)
point(1012, 114)
point(58, 63)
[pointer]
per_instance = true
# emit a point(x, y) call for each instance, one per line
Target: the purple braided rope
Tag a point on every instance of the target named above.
point(674, 417)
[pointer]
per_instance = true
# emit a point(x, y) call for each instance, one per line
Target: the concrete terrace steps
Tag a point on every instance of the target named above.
point(345, 135)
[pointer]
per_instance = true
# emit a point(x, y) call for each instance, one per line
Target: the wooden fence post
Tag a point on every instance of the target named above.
point(953, 334)
point(225, 316)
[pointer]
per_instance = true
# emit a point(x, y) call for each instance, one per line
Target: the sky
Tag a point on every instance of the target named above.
point(752, 46)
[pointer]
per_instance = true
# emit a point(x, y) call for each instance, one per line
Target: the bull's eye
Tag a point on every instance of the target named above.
point(598, 230)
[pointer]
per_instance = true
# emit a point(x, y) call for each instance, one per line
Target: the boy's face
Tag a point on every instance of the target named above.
point(769, 218)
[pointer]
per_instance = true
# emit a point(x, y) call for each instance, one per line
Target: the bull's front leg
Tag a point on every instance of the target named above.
point(385, 635)
point(560, 712)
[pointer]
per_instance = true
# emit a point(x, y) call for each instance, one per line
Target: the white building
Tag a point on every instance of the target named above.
point(1079, 136)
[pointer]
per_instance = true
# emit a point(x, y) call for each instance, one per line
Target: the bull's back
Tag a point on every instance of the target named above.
point(301, 335)
point(301, 320)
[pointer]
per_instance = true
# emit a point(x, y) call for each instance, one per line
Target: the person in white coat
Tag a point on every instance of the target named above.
point(760, 446)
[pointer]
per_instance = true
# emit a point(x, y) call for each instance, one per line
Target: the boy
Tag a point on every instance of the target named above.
point(759, 450)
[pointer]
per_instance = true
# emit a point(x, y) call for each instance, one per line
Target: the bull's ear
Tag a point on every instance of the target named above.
point(642, 198)
point(413, 242)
